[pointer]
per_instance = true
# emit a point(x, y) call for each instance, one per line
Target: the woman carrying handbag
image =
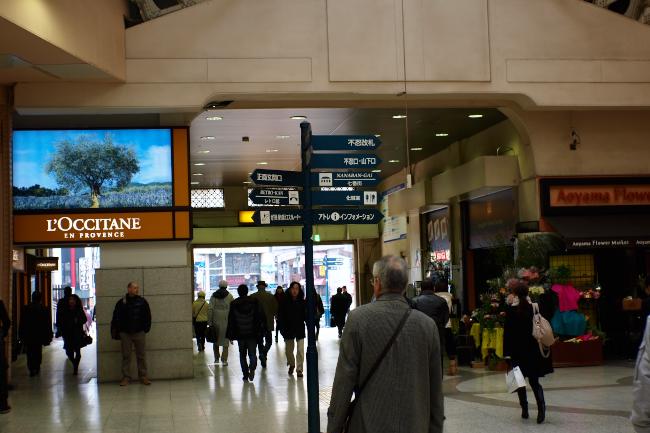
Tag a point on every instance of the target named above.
point(523, 350)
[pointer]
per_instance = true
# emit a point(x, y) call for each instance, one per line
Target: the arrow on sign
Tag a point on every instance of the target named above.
point(345, 142)
point(344, 160)
point(351, 178)
point(278, 217)
point(277, 177)
point(362, 198)
point(352, 216)
point(270, 196)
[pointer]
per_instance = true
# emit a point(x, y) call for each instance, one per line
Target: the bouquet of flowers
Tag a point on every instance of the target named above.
point(492, 312)
point(590, 293)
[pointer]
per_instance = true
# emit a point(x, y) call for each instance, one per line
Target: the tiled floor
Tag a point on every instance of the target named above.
point(593, 399)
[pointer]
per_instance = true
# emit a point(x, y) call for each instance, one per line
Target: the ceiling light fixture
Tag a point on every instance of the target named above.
point(475, 116)
point(377, 135)
point(271, 150)
point(208, 137)
point(203, 151)
point(199, 163)
point(282, 137)
point(197, 174)
point(394, 160)
point(195, 183)
point(263, 163)
point(247, 181)
point(376, 170)
point(298, 117)
point(214, 118)
point(441, 134)
point(399, 116)
point(416, 148)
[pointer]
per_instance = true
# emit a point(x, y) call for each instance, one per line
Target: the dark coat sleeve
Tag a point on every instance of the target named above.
point(147, 316)
point(507, 334)
point(4, 318)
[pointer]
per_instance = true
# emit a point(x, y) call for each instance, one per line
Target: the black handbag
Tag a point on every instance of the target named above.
point(357, 391)
point(86, 340)
point(211, 334)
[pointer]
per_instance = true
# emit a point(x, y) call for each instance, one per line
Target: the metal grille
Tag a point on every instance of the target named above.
point(211, 198)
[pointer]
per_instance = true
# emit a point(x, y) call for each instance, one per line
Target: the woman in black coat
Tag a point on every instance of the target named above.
point(292, 317)
point(73, 319)
point(523, 350)
point(35, 331)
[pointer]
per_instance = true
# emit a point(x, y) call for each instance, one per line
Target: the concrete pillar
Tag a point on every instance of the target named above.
point(6, 241)
point(164, 273)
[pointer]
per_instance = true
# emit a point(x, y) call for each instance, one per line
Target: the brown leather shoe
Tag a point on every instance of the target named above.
point(125, 381)
point(145, 381)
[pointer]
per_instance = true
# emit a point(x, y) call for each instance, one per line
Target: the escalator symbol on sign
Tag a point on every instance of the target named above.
point(325, 179)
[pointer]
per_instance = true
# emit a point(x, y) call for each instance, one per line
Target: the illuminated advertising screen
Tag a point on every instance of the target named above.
point(81, 169)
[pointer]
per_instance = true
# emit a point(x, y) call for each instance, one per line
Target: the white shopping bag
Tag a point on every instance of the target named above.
point(515, 380)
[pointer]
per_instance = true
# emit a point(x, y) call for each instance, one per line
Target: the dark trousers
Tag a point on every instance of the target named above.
point(264, 344)
point(247, 347)
point(340, 323)
point(34, 352)
point(199, 330)
point(74, 355)
point(4, 385)
point(450, 343)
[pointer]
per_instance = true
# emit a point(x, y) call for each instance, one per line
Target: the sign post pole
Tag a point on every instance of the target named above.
point(313, 414)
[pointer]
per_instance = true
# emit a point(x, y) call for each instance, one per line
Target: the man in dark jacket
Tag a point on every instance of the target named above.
point(246, 323)
point(132, 318)
point(432, 305)
point(293, 317)
point(35, 330)
point(269, 305)
point(339, 309)
point(5, 324)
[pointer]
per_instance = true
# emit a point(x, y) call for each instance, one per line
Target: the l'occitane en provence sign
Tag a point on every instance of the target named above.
point(92, 227)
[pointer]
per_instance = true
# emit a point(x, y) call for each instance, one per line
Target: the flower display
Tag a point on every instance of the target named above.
point(590, 293)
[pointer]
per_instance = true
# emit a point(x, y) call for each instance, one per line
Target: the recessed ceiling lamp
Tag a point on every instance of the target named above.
point(203, 151)
point(197, 174)
point(247, 181)
point(282, 137)
point(376, 170)
point(399, 116)
point(214, 118)
point(416, 148)
point(271, 150)
point(394, 160)
point(377, 135)
point(208, 137)
point(475, 116)
point(298, 117)
point(263, 163)
point(441, 134)
point(195, 183)
point(199, 163)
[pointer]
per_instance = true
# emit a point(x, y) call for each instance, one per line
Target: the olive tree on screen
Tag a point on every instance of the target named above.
point(84, 163)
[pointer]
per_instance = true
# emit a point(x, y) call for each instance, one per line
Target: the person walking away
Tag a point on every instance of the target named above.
point(72, 324)
point(246, 324)
point(338, 309)
point(348, 298)
point(522, 350)
point(279, 296)
point(269, 306)
point(404, 392)
point(200, 319)
point(441, 287)
point(293, 312)
point(35, 331)
point(641, 385)
point(5, 324)
point(433, 306)
point(61, 306)
point(320, 310)
point(218, 318)
point(132, 318)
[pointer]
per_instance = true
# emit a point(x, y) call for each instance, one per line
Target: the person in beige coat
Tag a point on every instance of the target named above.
point(270, 308)
point(405, 392)
point(218, 310)
point(641, 385)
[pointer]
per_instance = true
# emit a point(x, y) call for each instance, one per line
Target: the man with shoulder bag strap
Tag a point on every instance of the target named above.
point(200, 319)
point(389, 357)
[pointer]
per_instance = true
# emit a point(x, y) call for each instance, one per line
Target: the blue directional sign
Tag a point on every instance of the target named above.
point(344, 160)
point(345, 142)
point(278, 217)
point(352, 216)
point(349, 179)
point(359, 198)
point(271, 196)
point(329, 261)
point(277, 177)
